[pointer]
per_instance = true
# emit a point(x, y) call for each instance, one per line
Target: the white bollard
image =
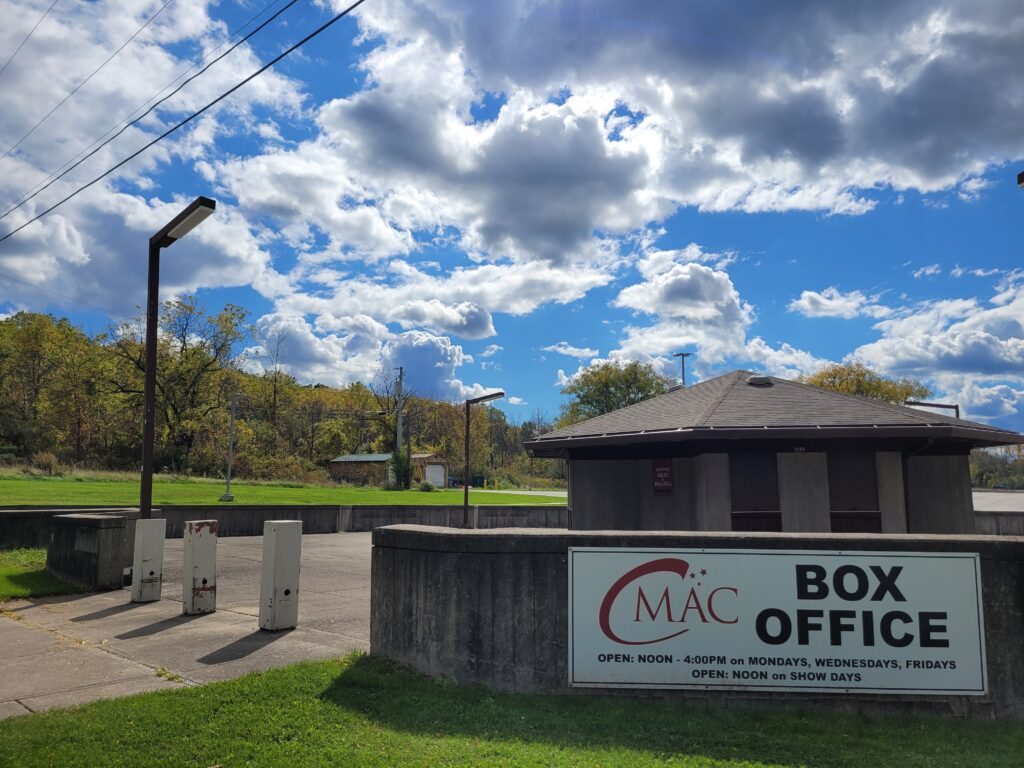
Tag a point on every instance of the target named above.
point(199, 567)
point(279, 587)
point(148, 561)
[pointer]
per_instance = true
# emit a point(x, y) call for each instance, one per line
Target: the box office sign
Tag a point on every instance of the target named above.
point(872, 622)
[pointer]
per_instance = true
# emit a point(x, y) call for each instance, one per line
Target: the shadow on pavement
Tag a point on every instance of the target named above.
point(160, 626)
point(243, 646)
point(103, 613)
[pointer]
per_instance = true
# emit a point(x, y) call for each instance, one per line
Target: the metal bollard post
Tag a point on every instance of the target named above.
point(148, 562)
point(279, 587)
point(199, 568)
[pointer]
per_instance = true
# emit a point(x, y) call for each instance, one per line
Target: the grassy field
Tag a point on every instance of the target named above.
point(24, 489)
point(364, 711)
point(23, 574)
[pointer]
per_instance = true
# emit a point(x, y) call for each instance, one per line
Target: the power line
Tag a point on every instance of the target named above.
point(61, 295)
point(128, 117)
point(66, 171)
point(75, 90)
point(31, 32)
point(194, 115)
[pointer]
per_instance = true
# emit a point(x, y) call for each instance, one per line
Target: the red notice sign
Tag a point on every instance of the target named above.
point(663, 476)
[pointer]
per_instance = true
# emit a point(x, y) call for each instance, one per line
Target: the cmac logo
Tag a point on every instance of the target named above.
point(658, 599)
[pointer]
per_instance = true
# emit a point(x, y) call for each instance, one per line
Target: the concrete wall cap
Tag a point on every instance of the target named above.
point(558, 541)
point(91, 520)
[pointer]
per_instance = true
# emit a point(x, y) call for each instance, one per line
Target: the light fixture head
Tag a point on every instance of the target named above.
point(196, 213)
point(485, 398)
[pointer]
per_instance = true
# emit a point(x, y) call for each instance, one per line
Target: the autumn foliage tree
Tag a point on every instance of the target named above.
point(607, 387)
point(857, 379)
point(76, 399)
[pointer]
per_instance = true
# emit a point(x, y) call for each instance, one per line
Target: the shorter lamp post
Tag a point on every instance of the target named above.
point(465, 479)
point(193, 215)
point(227, 495)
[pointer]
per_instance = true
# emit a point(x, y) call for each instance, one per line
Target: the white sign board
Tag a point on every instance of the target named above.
point(872, 622)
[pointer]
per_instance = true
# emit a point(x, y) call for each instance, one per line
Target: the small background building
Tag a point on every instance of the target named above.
point(745, 452)
point(372, 469)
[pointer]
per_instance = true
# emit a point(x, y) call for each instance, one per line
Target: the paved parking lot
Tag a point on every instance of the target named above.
point(67, 650)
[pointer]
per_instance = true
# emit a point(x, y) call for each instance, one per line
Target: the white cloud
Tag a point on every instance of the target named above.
point(491, 350)
point(832, 302)
point(959, 271)
point(513, 400)
point(567, 349)
point(970, 189)
point(786, 361)
point(927, 271)
point(971, 350)
point(693, 305)
point(89, 248)
point(595, 143)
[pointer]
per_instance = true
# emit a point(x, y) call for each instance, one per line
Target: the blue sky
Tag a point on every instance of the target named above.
point(503, 195)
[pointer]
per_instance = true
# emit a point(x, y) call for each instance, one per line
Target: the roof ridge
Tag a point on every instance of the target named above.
point(892, 407)
point(642, 402)
point(717, 401)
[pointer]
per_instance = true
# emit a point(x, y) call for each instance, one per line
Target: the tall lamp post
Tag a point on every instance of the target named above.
point(193, 215)
point(465, 479)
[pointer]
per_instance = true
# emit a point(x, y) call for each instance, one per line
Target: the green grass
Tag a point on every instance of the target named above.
point(23, 574)
point(364, 711)
point(77, 490)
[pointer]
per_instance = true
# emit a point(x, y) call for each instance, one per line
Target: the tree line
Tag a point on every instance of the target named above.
point(78, 398)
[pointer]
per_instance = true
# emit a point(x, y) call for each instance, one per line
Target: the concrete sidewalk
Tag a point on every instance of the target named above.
point(62, 651)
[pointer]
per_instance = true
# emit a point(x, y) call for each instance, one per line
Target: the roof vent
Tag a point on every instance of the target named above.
point(676, 388)
point(759, 380)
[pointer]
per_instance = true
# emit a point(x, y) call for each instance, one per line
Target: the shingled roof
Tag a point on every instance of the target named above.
point(742, 404)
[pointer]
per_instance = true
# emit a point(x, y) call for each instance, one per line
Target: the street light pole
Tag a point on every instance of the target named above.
point(196, 212)
point(465, 478)
point(231, 449)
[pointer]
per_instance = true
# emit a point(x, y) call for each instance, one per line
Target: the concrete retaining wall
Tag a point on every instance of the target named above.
point(490, 607)
point(999, 523)
point(30, 527)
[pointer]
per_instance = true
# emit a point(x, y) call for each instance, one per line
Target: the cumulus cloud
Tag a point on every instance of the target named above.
point(786, 362)
point(491, 350)
point(832, 302)
point(565, 348)
point(971, 350)
point(340, 350)
point(692, 305)
point(89, 249)
point(794, 110)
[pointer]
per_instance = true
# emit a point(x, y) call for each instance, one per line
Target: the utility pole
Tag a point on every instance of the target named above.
point(682, 362)
point(231, 449)
point(398, 409)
